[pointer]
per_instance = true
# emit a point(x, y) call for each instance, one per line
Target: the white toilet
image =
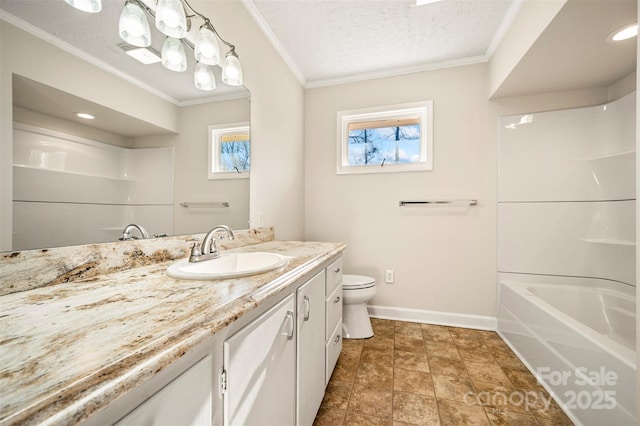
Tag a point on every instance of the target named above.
point(357, 290)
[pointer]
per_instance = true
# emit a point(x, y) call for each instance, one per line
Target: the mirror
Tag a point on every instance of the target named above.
point(53, 192)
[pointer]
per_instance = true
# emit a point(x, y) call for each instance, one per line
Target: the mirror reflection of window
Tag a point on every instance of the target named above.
point(229, 151)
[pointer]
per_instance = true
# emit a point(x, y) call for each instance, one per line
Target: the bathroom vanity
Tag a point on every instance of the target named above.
point(137, 346)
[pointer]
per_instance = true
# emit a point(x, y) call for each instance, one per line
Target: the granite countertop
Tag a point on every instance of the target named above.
point(69, 349)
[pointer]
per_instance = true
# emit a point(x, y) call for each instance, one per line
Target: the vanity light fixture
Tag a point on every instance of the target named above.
point(91, 6)
point(423, 2)
point(624, 33)
point(174, 18)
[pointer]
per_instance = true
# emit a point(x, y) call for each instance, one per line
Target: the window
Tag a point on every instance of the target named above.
point(386, 139)
point(229, 151)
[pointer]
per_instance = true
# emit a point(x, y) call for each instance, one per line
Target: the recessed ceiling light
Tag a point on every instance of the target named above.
point(624, 33)
point(423, 2)
point(85, 115)
point(146, 55)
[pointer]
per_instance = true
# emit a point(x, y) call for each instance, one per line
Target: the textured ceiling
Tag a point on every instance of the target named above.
point(342, 40)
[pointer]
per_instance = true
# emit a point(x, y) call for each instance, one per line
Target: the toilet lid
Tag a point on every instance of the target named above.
point(350, 282)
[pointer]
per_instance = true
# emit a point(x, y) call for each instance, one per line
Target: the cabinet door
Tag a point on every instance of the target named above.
point(184, 401)
point(311, 362)
point(260, 365)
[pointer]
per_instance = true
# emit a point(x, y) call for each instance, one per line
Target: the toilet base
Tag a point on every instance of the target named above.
point(355, 322)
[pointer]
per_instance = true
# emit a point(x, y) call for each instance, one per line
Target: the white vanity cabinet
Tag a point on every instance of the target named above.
point(185, 401)
point(270, 367)
point(260, 369)
point(333, 308)
point(311, 352)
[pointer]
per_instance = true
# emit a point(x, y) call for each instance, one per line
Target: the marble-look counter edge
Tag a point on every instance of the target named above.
point(89, 394)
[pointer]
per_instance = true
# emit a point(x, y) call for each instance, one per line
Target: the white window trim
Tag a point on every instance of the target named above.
point(214, 132)
point(424, 110)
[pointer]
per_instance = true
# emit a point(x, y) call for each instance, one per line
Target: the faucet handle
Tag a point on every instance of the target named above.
point(195, 249)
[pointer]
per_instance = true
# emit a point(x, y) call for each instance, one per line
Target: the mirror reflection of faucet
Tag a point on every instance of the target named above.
point(208, 250)
point(126, 233)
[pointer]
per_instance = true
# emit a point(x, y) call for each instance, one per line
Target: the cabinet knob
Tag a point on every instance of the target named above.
point(337, 270)
point(336, 340)
point(337, 299)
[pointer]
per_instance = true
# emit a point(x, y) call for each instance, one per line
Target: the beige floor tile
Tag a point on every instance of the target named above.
point(336, 396)
point(371, 402)
point(436, 333)
point(477, 354)
point(409, 344)
point(505, 418)
point(411, 361)
point(328, 417)
point(415, 409)
point(377, 341)
point(453, 388)
point(377, 356)
point(357, 419)
point(455, 414)
point(522, 379)
point(500, 398)
point(447, 366)
point(384, 328)
point(375, 376)
point(508, 360)
point(412, 381)
point(496, 344)
point(410, 374)
point(487, 372)
point(441, 348)
point(346, 367)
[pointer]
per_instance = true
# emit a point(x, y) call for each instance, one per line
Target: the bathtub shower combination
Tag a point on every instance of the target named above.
point(566, 255)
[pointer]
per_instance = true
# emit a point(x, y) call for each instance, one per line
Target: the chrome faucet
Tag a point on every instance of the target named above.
point(207, 250)
point(126, 234)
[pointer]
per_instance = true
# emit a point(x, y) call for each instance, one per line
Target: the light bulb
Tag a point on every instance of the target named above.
point(91, 6)
point(173, 56)
point(206, 47)
point(231, 70)
point(171, 19)
point(133, 26)
point(203, 77)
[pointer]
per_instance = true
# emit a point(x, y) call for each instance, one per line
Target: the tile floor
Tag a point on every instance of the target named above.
point(423, 374)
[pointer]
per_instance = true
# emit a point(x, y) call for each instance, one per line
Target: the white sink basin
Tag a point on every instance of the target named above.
point(228, 265)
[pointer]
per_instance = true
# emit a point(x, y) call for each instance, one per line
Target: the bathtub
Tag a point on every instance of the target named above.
point(577, 336)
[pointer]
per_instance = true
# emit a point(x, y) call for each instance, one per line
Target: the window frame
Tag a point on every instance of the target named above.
point(215, 131)
point(422, 110)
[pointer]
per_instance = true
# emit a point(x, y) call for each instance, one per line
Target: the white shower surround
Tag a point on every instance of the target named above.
point(566, 254)
point(69, 190)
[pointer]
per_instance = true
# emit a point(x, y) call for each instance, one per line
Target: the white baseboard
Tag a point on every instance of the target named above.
point(478, 322)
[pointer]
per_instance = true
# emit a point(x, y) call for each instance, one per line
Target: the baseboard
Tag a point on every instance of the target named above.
point(478, 322)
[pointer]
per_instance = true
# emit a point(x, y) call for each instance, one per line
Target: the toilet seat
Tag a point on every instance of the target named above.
point(357, 282)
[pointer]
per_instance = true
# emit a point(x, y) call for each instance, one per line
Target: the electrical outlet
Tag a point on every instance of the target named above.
point(389, 276)
point(260, 219)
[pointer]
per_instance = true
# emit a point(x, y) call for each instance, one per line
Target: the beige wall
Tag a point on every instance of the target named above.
point(444, 258)
point(191, 183)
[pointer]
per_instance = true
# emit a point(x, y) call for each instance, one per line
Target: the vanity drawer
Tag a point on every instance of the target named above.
point(333, 311)
point(333, 348)
point(334, 276)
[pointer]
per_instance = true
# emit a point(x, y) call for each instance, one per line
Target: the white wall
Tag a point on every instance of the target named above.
point(444, 258)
